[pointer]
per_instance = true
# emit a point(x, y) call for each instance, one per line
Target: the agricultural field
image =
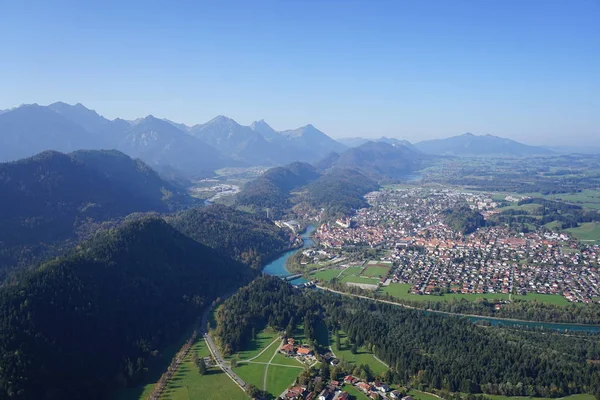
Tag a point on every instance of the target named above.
point(588, 232)
point(188, 384)
point(363, 356)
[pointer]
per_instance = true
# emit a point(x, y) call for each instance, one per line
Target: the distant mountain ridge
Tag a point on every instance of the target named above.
point(159, 143)
point(167, 146)
point(359, 141)
point(377, 160)
point(479, 146)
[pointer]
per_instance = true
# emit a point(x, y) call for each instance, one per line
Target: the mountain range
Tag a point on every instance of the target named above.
point(469, 145)
point(167, 146)
point(175, 149)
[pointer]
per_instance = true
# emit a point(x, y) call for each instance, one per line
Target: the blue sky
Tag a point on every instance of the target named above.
point(524, 69)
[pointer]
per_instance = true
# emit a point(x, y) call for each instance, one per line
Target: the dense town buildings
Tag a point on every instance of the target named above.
point(428, 254)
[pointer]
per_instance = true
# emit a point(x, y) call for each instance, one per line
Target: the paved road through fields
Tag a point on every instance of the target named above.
point(215, 351)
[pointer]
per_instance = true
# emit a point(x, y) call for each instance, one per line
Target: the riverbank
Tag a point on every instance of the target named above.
point(278, 266)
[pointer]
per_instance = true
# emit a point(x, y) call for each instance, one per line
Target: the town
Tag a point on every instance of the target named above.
point(406, 226)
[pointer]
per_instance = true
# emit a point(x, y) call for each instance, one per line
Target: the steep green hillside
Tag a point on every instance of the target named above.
point(245, 237)
point(51, 197)
point(272, 189)
point(80, 325)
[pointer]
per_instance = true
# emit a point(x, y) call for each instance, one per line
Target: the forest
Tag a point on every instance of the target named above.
point(272, 189)
point(424, 351)
point(52, 200)
point(248, 238)
point(339, 191)
point(89, 322)
point(463, 219)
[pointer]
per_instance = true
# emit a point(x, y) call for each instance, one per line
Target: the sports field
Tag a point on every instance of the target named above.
point(376, 271)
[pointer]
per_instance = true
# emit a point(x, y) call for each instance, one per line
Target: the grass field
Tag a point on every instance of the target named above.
point(188, 384)
point(251, 373)
point(266, 356)
point(263, 339)
point(357, 394)
point(589, 232)
point(361, 357)
point(352, 271)
point(279, 378)
point(353, 274)
point(281, 359)
point(376, 272)
point(545, 298)
point(360, 279)
point(326, 275)
point(552, 225)
point(400, 291)
point(422, 395)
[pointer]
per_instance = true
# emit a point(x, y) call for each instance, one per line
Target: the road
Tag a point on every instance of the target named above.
point(215, 351)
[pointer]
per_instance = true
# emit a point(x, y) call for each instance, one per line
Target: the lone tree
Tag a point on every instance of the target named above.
point(202, 366)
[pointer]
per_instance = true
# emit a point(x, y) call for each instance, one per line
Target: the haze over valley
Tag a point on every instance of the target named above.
point(300, 200)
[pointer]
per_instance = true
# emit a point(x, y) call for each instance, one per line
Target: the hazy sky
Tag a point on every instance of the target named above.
point(524, 69)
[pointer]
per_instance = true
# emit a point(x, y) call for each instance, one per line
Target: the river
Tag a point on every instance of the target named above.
point(277, 267)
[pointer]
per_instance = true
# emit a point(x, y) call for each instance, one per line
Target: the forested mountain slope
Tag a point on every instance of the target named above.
point(272, 189)
point(81, 325)
point(48, 198)
point(248, 238)
point(339, 191)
